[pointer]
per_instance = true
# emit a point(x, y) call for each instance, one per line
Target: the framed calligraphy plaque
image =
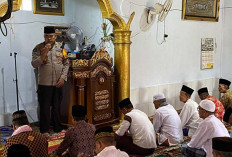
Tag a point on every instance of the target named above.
point(201, 10)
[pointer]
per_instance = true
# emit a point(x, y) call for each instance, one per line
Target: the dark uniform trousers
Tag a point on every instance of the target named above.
point(49, 97)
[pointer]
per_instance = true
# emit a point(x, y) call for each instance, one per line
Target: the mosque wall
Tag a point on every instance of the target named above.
point(154, 67)
point(142, 98)
point(226, 58)
point(166, 67)
point(25, 31)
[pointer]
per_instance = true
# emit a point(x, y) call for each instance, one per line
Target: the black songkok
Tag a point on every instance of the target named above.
point(223, 144)
point(203, 90)
point(186, 89)
point(227, 115)
point(49, 29)
point(124, 103)
point(106, 131)
point(225, 82)
point(19, 115)
point(78, 111)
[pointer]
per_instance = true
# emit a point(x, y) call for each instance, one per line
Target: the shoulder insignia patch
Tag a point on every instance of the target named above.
point(31, 138)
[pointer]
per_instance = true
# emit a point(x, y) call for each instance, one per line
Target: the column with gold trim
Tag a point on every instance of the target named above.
point(122, 43)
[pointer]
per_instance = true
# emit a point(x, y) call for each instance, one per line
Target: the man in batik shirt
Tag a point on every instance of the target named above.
point(224, 87)
point(219, 108)
point(79, 138)
point(35, 141)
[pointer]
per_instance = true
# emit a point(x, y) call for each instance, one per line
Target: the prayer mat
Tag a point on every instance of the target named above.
point(5, 132)
point(54, 141)
point(170, 151)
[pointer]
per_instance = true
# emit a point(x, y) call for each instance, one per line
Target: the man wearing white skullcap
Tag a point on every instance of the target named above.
point(209, 128)
point(166, 122)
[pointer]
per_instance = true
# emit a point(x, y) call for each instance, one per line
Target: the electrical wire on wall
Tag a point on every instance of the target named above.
point(164, 26)
point(11, 24)
point(3, 33)
point(48, 23)
point(144, 6)
point(164, 35)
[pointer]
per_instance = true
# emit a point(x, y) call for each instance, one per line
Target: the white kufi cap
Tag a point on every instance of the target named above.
point(158, 96)
point(207, 105)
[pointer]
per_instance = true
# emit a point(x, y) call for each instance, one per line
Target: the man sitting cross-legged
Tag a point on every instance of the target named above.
point(142, 140)
point(23, 134)
point(209, 128)
point(189, 116)
point(219, 108)
point(80, 137)
point(105, 144)
point(224, 87)
point(166, 122)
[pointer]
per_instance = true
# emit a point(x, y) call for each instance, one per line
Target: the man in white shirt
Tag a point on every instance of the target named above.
point(142, 140)
point(105, 144)
point(209, 128)
point(189, 115)
point(166, 122)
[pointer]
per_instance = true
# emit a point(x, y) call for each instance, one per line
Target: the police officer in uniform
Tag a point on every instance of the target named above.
point(52, 67)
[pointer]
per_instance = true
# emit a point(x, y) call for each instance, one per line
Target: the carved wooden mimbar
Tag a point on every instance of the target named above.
point(94, 86)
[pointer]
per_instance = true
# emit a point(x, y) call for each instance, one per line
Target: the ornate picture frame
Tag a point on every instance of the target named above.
point(48, 7)
point(4, 5)
point(201, 10)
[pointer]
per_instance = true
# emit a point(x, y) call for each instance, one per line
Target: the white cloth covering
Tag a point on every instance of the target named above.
point(140, 128)
point(22, 128)
point(189, 116)
point(111, 151)
point(167, 124)
point(209, 128)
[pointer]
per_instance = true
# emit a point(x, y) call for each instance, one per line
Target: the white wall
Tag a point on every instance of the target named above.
point(165, 68)
point(154, 68)
point(176, 60)
point(27, 32)
point(226, 58)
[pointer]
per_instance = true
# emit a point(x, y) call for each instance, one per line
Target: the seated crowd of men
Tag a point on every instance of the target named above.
point(137, 135)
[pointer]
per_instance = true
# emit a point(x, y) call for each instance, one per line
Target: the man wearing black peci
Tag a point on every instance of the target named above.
point(52, 67)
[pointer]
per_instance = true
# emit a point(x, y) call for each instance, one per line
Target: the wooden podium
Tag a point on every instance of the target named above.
point(93, 82)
